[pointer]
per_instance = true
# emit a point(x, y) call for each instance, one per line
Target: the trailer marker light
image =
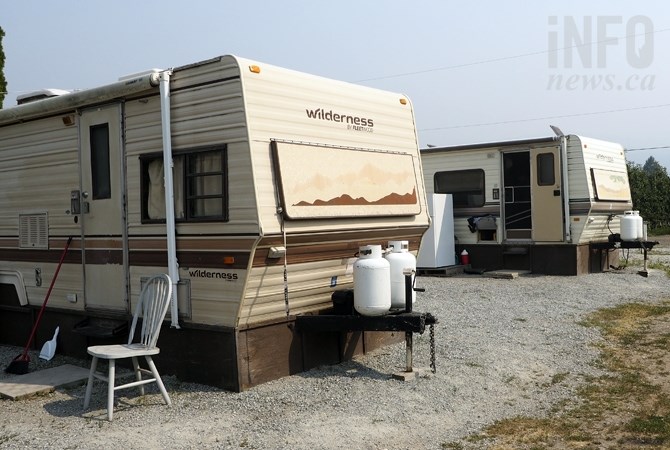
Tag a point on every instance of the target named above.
point(403, 101)
point(255, 69)
point(229, 260)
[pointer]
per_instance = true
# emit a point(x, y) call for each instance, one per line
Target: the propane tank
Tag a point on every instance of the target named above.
point(639, 224)
point(465, 257)
point(400, 259)
point(628, 226)
point(372, 282)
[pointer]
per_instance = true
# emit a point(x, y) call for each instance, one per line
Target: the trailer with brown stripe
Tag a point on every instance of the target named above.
point(545, 205)
point(251, 185)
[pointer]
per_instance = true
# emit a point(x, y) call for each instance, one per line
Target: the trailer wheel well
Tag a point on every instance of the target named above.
point(12, 288)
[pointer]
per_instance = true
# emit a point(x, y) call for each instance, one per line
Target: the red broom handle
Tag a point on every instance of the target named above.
point(51, 286)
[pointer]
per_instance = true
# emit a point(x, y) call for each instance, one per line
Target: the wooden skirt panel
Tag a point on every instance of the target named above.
point(231, 359)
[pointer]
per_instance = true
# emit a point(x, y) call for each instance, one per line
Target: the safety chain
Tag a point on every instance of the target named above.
point(432, 347)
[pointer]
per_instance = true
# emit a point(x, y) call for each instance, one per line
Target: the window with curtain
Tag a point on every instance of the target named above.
point(200, 182)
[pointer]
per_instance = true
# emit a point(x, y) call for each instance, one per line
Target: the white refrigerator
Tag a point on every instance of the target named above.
point(437, 245)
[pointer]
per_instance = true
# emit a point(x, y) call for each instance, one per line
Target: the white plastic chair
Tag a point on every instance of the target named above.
point(151, 307)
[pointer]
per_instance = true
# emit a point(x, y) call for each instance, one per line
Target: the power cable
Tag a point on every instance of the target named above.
point(646, 148)
point(505, 122)
point(506, 58)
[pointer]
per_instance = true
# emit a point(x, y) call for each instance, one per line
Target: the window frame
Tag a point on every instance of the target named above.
point(458, 196)
point(187, 199)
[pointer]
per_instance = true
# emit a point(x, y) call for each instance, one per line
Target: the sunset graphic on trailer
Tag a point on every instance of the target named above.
point(338, 182)
point(345, 199)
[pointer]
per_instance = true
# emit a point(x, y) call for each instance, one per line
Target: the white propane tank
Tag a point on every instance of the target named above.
point(372, 282)
point(639, 222)
point(400, 259)
point(628, 226)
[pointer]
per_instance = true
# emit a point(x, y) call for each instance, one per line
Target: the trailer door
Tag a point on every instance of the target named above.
point(546, 195)
point(102, 208)
point(518, 221)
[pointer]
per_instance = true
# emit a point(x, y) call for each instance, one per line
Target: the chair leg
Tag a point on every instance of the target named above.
point(159, 381)
point(89, 385)
point(110, 389)
point(138, 374)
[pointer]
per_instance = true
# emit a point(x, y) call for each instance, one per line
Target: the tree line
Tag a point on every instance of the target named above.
point(650, 189)
point(3, 83)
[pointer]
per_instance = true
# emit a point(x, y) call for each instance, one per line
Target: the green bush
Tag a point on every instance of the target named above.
point(650, 190)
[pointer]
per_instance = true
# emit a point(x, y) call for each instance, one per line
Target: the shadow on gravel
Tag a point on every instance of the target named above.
point(348, 369)
point(71, 407)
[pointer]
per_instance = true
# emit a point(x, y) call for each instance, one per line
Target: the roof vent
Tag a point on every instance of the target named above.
point(39, 95)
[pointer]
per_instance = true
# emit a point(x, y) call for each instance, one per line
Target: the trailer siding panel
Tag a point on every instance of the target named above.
point(277, 101)
point(487, 159)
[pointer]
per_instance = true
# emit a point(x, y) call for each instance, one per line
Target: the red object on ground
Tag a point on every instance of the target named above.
point(465, 258)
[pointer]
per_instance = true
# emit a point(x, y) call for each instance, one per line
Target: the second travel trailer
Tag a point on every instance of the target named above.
point(253, 186)
point(548, 205)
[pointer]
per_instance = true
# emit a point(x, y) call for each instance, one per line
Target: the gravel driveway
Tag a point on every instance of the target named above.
point(503, 348)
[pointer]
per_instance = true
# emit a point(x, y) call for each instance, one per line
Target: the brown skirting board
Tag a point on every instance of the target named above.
point(231, 359)
point(551, 259)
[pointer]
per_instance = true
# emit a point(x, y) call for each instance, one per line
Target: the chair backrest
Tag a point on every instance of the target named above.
point(152, 306)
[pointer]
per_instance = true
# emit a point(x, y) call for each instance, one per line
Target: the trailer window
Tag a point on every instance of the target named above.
point(466, 186)
point(100, 171)
point(200, 183)
point(545, 169)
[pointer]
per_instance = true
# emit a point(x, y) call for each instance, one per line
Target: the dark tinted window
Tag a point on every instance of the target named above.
point(467, 186)
point(545, 169)
point(100, 174)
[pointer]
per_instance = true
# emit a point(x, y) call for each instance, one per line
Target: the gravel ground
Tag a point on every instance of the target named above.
point(501, 345)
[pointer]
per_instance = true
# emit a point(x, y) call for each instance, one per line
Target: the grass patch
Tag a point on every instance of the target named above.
point(452, 446)
point(660, 266)
point(559, 377)
point(627, 408)
point(660, 231)
point(654, 425)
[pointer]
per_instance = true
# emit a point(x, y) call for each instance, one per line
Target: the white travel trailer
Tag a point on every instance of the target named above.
point(251, 185)
point(546, 205)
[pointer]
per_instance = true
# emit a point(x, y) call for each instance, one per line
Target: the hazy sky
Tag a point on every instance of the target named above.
point(475, 71)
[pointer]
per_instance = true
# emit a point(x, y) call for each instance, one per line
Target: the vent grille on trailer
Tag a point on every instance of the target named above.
point(34, 230)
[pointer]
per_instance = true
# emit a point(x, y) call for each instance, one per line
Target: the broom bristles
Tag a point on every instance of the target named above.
point(19, 366)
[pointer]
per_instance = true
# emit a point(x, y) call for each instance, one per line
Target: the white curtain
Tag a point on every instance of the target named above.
point(156, 194)
point(156, 200)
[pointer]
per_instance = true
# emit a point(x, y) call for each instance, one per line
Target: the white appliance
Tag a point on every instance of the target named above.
point(437, 245)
